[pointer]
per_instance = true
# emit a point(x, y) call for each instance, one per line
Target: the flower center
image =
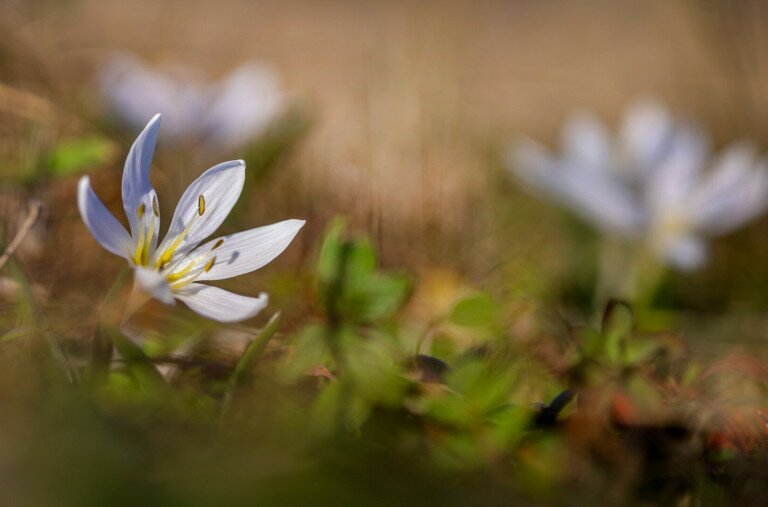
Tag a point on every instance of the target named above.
point(178, 272)
point(146, 233)
point(167, 255)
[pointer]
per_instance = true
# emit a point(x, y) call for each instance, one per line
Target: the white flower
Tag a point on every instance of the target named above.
point(225, 114)
point(654, 182)
point(173, 268)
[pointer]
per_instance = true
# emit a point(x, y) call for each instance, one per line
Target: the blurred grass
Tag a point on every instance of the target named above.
point(404, 110)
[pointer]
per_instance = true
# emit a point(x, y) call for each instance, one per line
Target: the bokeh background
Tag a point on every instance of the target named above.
point(402, 112)
point(398, 115)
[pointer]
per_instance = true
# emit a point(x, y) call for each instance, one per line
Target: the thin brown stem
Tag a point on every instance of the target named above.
point(34, 214)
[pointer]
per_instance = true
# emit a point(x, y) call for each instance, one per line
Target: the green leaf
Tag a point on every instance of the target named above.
point(72, 156)
point(378, 297)
point(102, 344)
point(328, 262)
point(361, 261)
point(618, 321)
point(638, 351)
point(478, 310)
point(310, 346)
point(349, 284)
point(137, 363)
point(252, 353)
point(330, 268)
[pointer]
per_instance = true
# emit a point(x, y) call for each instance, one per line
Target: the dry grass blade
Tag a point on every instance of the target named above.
point(32, 217)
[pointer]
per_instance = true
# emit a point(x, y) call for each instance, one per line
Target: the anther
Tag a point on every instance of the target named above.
point(140, 211)
point(200, 205)
point(155, 207)
point(217, 244)
point(209, 264)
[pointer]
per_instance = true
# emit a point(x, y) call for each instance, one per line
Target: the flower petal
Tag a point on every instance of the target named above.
point(586, 143)
point(220, 187)
point(597, 196)
point(672, 182)
point(219, 304)
point(135, 92)
point(137, 189)
point(644, 135)
point(154, 284)
point(248, 251)
point(686, 253)
point(735, 191)
point(248, 100)
point(103, 225)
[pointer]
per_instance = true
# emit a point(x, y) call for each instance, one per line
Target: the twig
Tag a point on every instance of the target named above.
point(34, 214)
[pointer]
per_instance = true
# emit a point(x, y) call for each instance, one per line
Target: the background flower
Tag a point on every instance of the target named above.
point(655, 181)
point(227, 113)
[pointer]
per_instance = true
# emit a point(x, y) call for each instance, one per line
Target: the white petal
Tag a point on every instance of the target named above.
point(735, 191)
point(220, 187)
point(598, 196)
point(219, 304)
point(533, 164)
point(644, 135)
point(673, 181)
point(154, 284)
point(135, 92)
point(103, 225)
point(248, 251)
point(605, 202)
point(137, 189)
point(586, 143)
point(248, 100)
point(685, 253)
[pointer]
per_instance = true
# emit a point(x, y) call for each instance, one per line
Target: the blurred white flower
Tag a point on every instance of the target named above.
point(654, 182)
point(172, 269)
point(227, 114)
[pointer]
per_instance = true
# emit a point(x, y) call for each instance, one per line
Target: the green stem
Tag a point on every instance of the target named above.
point(626, 272)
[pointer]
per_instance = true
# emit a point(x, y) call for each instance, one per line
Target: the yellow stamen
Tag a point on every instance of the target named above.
point(217, 244)
point(141, 255)
point(155, 207)
point(209, 264)
point(147, 243)
point(137, 255)
point(201, 205)
point(139, 247)
point(168, 253)
point(180, 274)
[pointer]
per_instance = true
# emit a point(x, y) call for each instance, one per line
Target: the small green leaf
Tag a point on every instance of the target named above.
point(478, 310)
point(618, 321)
point(137, 363)
point(379, 297)
point(328, 262)
point(638, 351)
point(310, 346)
point(349, 285)
point(72, 156)
point(361, 260)
point(330, 269)
point(251, 354)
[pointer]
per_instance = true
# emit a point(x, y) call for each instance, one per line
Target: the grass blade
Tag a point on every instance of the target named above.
point(252, 352)
point(139, 365)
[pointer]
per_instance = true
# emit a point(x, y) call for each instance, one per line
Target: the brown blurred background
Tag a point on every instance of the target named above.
point(411, 106)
